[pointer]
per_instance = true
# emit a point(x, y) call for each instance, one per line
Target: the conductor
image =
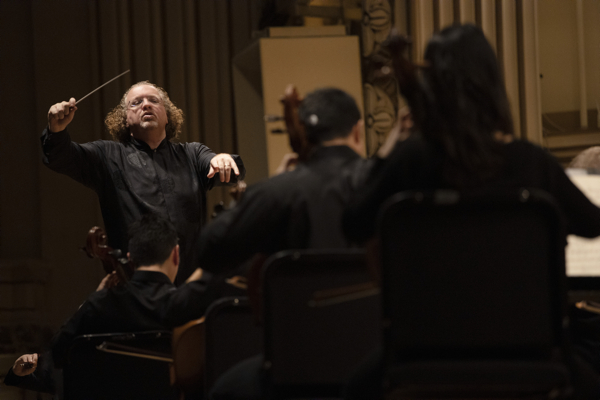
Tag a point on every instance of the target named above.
point(142, 171)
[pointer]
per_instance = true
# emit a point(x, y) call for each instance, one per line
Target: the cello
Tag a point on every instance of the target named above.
point(112, 260)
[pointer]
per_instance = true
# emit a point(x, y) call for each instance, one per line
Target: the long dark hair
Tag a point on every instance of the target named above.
point(465, 104)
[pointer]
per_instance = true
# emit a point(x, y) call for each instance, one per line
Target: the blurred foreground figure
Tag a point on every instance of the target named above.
point(143, 171)
point(300, 209)
point(463, 140)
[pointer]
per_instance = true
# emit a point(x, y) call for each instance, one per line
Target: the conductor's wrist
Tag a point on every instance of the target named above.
point(54, 130)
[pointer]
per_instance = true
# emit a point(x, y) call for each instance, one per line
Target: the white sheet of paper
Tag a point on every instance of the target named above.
point(583, 255)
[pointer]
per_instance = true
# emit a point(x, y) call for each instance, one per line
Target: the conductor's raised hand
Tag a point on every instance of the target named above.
point(223, 164)
point(61, 114)
point(25, 364)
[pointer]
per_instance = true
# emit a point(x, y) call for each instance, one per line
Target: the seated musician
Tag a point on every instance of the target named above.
point(297, 209)
point(148, 301)
point(464, 140)
point(301, 208)
point(32, 372)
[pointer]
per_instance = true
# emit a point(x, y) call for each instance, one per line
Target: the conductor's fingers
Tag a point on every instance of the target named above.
point(235, 168)
point(227, 171)
point(211, 172)
point(66, 106)
point(222, 170)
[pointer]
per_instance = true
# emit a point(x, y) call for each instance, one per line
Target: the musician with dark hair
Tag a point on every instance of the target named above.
point(148, 301)
point(302, 208)
point(299, 209)
point(464, 140)
point(142, 171)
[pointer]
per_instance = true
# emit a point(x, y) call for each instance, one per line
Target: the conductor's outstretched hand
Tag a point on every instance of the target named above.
point(61, 114)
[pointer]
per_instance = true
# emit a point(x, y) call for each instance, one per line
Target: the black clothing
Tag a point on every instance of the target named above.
point(295, 210)
point(367, 384)
point(415, 165)
point(132, 180)
point(298, 209)
point(41, 380)
point(149, 301)
point(243, 381)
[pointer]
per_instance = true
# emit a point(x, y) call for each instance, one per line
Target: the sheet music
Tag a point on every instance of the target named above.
point(583, 255)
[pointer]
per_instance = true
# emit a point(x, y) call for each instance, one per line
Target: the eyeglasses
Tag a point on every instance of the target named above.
point(137, 102)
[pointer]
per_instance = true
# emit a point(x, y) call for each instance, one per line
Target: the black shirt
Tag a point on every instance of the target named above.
point(149, 301)
point(131, 180)
point(297, 209)
point(415, 165)
point(40, 380)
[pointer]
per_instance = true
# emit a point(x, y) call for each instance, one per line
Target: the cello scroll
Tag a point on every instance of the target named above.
point(112, 260)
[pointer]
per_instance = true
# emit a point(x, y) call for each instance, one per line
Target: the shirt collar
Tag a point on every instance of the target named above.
point(150, 276)
point(326, 152)
point(141, 145)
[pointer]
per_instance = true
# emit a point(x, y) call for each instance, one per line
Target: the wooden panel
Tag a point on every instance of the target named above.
point(310, 63)
point(446, 13)
point(249, 112)
point(581, 64)
point(573, 140)
point(157, 40)
point(298, 31)
point(175, 58)
point(531, 112)
point(109, 53)
point(488, 20)
point(191, 72)
point(209, 73)
point(124, 46)
point(67, 209)
point(401, 16)
point(591, 17)
point(467, 12)
point(510, 59)
point(95, 75)
point(224, 70)
point(141, 38)
point(19, 149)
point(423, 26)
point(240, 27)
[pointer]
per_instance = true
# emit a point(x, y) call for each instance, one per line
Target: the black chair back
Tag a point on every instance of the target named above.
point(232, 335)
point(315, 337)
point(94, 374)
point(473, 282)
